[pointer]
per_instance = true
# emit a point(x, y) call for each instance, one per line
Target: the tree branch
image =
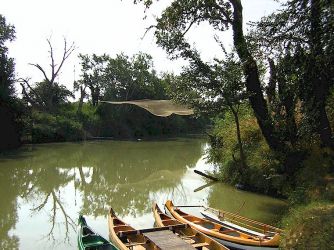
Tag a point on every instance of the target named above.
point(66, 54)
point(41, 69)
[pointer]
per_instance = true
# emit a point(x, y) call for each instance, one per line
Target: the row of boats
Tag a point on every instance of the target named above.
point(179, 230)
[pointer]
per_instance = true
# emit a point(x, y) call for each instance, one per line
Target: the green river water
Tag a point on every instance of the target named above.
point(43, 188)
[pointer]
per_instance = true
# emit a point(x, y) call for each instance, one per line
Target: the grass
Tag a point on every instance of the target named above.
point(309, 227)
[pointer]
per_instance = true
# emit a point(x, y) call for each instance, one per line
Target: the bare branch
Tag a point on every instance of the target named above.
point(190, 25)
point(23, 81)
point(66, 54)
point(41, 69)
point(52, 60)
point(147, 30)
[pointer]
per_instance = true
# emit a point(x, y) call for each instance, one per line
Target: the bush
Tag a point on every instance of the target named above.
point(49, 128)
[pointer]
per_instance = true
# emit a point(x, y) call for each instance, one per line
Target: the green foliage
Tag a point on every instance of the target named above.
point(49, 128)
point(299, 38)
point(121, 78)
point(10, 108)
point(49, 97)
point(209, 87)
point(134, 122)
point(261, 172)
point(7, 33)
point(309, 227)
point(311, 180)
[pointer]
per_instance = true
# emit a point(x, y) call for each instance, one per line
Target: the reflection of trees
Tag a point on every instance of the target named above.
point(45, 182)
point(9, 190)
point(121, 174)
point(126, 173)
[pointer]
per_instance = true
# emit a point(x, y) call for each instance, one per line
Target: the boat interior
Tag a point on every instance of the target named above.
point(212, 226)
point(133, 241)
point(187, 234)
point(92, 241)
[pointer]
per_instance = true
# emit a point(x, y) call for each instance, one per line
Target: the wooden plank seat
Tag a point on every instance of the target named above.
point(147, 230)
point(167, 240)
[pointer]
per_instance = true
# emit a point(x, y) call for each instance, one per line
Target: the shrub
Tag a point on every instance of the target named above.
point(49, 128)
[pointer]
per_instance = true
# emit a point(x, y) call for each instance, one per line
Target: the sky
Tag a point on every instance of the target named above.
point(101, 26)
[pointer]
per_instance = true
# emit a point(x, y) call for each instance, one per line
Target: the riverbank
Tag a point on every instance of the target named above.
point(304, 177)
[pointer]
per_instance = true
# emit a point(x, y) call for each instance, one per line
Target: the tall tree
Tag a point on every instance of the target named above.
point(303, 33)
point(93, 74)
point(180, 16)
point(48, 93)
point(9, 112)
point(213, 88)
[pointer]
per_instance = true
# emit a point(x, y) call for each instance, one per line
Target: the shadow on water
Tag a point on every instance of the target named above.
point(251, 205)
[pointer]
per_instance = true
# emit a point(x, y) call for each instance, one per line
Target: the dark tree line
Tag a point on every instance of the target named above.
point(10, 107)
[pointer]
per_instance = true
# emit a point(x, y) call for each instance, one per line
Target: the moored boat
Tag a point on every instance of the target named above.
point(240, 223)
point(188, 234)
point(126, 237)
point(228, 236)
point(90, 240)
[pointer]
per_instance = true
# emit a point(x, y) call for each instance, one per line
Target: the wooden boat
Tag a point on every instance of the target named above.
point(190, 235)
point(126, 237)
point(226, 235)
point(240, 223)
point(89, 240)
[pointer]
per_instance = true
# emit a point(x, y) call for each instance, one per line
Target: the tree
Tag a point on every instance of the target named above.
point(93, 75)
point(177, 20)
point(9, 105)
point(213, 89)
point(133, 78)
point(80, 86)
point(120, 78)
point(48, 94)
point(302, 33)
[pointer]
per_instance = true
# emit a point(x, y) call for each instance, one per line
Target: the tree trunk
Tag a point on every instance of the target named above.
point(82, 95)
point(319, 85)
point(287, 101)
point(271, 89)
point(241, 150)
point(253, 84)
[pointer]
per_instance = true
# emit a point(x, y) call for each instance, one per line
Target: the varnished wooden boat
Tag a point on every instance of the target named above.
point(240, 223)
point(226, 235)
point(190, 235)
point(126, 237)
point(88, 239)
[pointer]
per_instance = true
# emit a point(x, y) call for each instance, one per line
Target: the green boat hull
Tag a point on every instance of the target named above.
point(89, 240)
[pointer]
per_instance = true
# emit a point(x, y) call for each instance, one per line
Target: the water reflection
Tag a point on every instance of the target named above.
point(45, 187)
point(8, 208)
